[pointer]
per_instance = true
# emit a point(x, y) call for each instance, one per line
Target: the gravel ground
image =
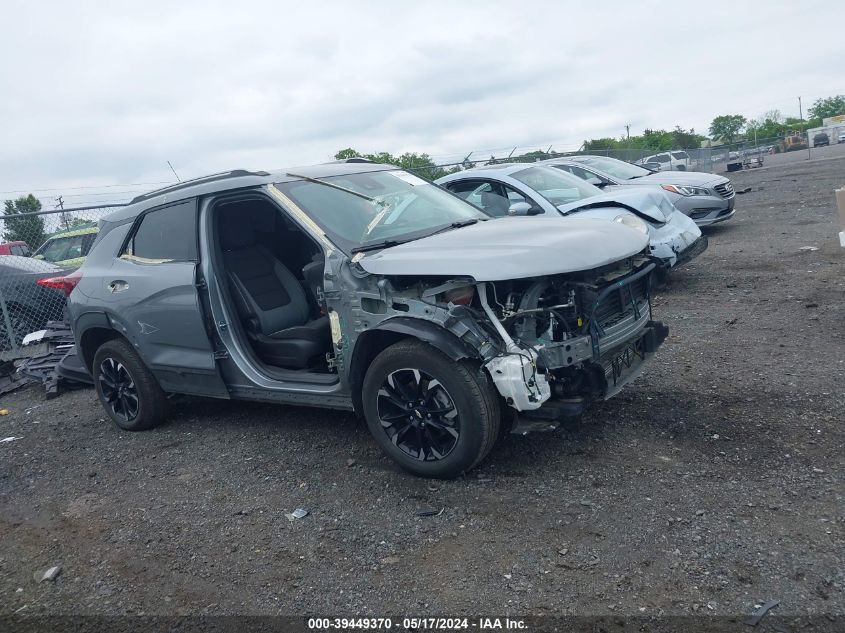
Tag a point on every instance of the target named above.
point(712, 484)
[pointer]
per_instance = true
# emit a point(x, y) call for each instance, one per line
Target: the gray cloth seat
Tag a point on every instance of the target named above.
point(270, 300)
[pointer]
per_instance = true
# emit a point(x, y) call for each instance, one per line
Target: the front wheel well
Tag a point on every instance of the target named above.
point(369, 345)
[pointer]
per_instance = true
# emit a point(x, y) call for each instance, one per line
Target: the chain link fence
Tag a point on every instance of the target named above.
point(722, 158)
point(36, 251)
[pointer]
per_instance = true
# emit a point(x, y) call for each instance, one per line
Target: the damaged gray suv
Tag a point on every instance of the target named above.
point(361, 287)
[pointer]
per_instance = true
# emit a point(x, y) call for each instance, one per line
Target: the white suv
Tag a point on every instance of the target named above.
point(667, 161)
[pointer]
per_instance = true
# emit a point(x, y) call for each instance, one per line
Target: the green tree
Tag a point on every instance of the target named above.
point(346, 153)
point(768, 125)
point(420, 164)
point(727, 126)
point(683, 139)
point(829, 106)
point(30, 228)
point(600, 144)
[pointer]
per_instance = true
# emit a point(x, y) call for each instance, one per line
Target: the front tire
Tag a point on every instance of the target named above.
point(128, 391)
point(433, 416)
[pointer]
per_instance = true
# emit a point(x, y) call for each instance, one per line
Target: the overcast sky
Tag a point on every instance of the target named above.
point(98, 94)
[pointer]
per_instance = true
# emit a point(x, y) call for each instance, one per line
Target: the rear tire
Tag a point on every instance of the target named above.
point(433, 416)
point(128, 391)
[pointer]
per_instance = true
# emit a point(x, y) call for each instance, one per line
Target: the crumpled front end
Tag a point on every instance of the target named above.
point(551, 344)
point(568, 340)
point(677, 241)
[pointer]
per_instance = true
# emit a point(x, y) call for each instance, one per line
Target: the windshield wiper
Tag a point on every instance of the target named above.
point(334, 186)
point(376, 245)
point(457, 225)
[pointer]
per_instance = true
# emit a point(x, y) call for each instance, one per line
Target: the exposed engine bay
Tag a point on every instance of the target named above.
point(574, 337)
point(551, 344)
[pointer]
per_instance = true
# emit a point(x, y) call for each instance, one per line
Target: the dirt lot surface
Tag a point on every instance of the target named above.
point(711, 485)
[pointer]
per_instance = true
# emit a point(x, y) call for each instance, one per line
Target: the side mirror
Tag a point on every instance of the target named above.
point(523, 208)
point(597, 182)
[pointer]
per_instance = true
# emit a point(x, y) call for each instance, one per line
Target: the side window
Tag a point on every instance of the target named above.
point(165, 235)
point(514, 195)
point(17, 250)
point(463, 188)
point(583, 174)
point(662, 158)
point(56, 249)
point(469, 190)
point(25, 251)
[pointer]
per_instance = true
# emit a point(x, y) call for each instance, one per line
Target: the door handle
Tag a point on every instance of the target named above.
point(118, 285)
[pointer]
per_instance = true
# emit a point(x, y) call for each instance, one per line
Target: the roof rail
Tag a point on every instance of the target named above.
point(235, 173)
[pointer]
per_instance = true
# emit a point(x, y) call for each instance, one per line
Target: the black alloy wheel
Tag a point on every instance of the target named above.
point(118, 389)
point(418, 414)
point(130, 394)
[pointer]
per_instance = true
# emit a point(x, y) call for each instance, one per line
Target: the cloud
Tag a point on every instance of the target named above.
point(107, 93)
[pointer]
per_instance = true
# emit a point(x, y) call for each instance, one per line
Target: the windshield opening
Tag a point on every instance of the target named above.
point(389, 206)
point(558, 187)
point(616, 168)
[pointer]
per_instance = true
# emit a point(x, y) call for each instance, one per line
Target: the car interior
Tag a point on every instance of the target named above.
point(273, 273)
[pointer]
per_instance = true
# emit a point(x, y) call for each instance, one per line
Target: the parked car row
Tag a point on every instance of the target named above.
point(706, 198)
point(520, 189)
point(506, 299)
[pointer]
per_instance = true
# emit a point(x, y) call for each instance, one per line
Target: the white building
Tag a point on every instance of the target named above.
point(833, 126)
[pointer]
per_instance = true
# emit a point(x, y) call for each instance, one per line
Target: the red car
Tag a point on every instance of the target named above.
point(15, 248)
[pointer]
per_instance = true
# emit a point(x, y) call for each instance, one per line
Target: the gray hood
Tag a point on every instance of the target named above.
point(693, 178)
point(651, 203)
point(511, 248)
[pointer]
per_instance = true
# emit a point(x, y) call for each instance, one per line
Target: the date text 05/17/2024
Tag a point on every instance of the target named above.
point(418, 624)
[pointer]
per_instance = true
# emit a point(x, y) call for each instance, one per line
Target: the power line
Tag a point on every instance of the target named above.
point(131, 184)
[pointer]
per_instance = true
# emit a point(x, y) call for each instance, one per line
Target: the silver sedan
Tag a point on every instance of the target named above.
point(705, 198)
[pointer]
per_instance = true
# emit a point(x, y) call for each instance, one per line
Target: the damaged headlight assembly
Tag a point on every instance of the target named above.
point(630, 220)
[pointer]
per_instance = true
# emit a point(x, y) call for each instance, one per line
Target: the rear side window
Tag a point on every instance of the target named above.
point(463, 188)
point(165, 235)
point(17, 250)
point(680, 155)
point(662, 158)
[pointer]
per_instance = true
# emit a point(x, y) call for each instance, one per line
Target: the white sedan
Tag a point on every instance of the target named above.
point(526, 189)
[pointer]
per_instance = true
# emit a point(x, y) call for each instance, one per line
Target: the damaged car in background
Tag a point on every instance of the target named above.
point(361, 287)
point(706, 198)
point(531, 189)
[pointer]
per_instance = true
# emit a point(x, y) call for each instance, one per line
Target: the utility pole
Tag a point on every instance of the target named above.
point(628, 131)
point(806, 131)
point(61, 204)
